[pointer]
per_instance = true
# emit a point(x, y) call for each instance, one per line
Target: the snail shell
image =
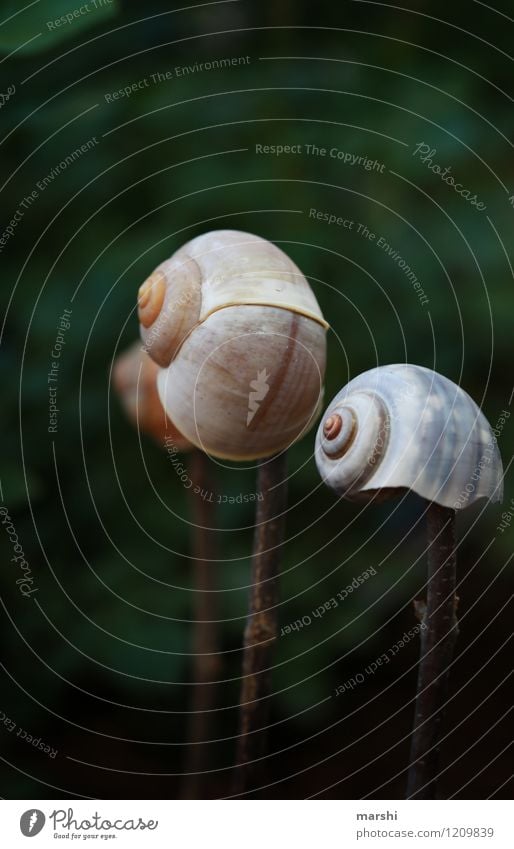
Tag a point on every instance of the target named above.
point(407, 427)
point(135, 380)
point(241, 342)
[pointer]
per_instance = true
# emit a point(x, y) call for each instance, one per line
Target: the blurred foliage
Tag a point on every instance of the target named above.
point(103, 518)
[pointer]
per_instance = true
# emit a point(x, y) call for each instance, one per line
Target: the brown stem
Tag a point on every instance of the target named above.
point(437, 644)
point(261, 630)
point(205, 636)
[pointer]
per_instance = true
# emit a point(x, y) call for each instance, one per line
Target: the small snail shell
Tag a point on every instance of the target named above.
point(241, 341)
point(405, 426)
point(135, 380)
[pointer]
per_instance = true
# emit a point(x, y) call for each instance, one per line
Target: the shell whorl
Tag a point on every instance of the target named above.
point(134, 378)
point(407, 427)
point(211, 389)
point(241, 342)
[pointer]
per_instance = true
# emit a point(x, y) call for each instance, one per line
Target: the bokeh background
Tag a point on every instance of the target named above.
point(96, 662)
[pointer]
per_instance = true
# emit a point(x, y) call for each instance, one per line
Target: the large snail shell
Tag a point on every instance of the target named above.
point(407, 427)
point(242, 340)
point(135, 380)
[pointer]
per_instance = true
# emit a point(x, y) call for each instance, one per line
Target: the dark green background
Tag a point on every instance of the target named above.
point(103, 525)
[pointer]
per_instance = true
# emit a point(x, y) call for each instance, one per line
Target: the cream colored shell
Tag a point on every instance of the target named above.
point(407, 427)
point(241, 340)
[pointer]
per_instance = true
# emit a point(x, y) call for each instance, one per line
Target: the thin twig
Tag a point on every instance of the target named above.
point(261, 630)
point(437, 644)
point(205, 637)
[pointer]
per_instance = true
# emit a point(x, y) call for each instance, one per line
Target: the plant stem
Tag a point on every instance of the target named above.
point(437, 644)
point(205, 638)
point(261, 630)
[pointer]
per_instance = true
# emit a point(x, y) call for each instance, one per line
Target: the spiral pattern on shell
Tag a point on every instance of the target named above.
point(408, 427)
